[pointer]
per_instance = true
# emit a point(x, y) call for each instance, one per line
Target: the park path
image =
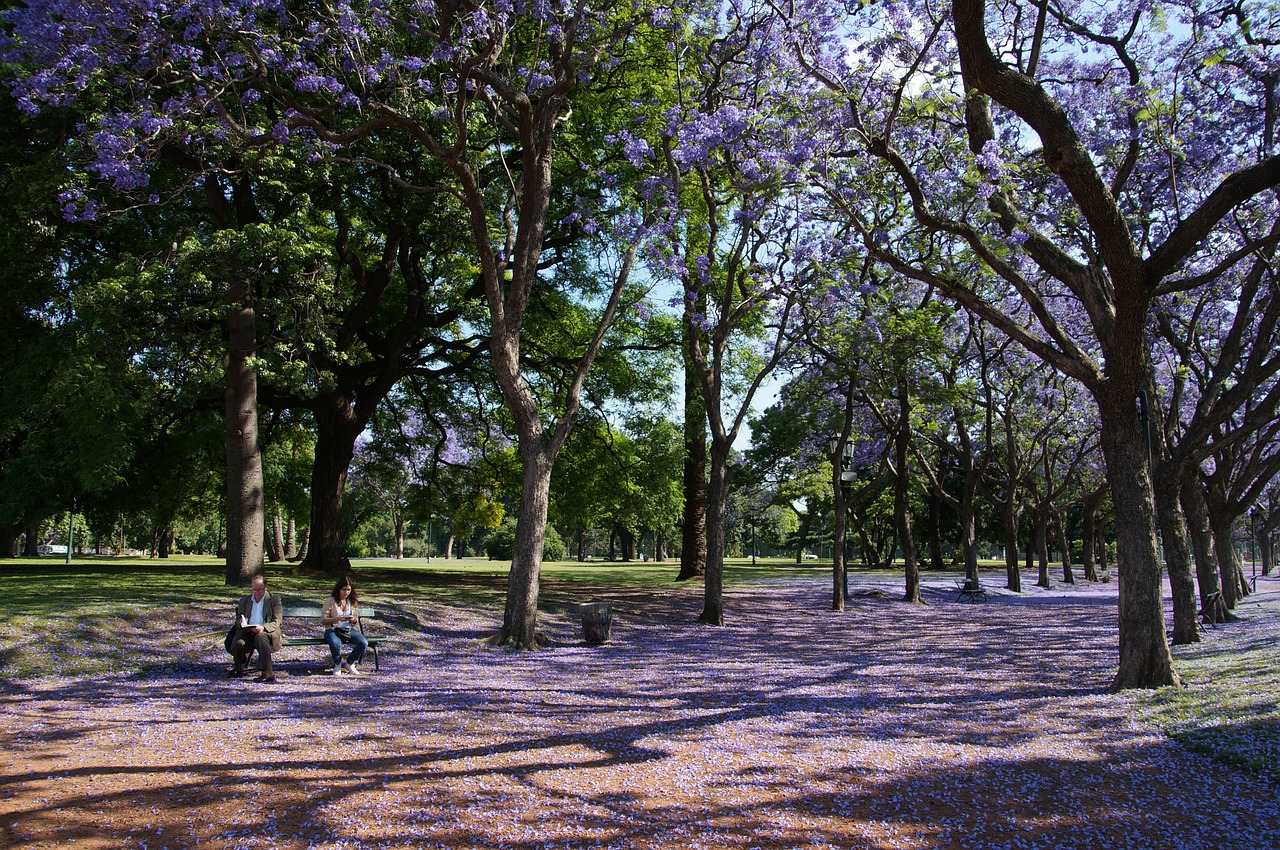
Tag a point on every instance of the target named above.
point(888, 726)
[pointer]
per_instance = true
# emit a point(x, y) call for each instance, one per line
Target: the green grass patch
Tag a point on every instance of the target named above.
point(99, 615)
point(1230, 707)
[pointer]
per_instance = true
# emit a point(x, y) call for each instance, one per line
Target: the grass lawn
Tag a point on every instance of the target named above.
point(1230, 707)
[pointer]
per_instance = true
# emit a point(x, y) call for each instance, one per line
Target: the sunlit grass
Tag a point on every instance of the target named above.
point(1229, 708)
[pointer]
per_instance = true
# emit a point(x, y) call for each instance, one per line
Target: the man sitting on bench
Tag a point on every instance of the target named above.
point(257, 626)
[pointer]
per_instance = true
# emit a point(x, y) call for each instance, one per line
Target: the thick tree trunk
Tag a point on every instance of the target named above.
point(520, 618)
point(1222, 523)
point(9, 540)
point(305, 548)
point(1177, 551)
point(1145, 660)
point(717, 498)
point(31, 545)
point(693, 541)
point(399, 554)
point(660, 546)
point(628, 541)
point(1011, 519)
point(291, 541)
point(1197, 518)
point(275, 540)
point(337, 428)
point(245, 519)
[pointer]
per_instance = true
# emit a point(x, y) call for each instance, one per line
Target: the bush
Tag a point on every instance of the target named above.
point(502, 542)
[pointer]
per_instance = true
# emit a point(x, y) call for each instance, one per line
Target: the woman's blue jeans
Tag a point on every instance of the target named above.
point(359, 643)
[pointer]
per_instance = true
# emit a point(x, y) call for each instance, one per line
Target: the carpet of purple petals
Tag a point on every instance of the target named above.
point(888, 726)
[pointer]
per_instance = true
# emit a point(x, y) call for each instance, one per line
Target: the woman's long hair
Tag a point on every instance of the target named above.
point(345, 581)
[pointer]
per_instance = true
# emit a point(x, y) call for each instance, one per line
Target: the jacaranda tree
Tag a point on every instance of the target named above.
point(487, 92)
point(1060, 168)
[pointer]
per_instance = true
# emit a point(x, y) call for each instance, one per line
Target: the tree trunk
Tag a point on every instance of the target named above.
point(1091, 505)
point(306, 545)
point(660, 546)
point(31, 546)
point(291, 541)
point(1011, 519)
point(1177, 552)
point(628, 541)
point(337, 428)
point(968, 527)
point(936, 559)
point(399, 537)
point(1102, 556)
point(1040, 519)
point(275, 540)
point(693, 542)
point(902, 499)
point(245, 519)
point(1197, 518)
point(802, 537)
point(1064, 541)
point(448, 546)
point(1222, 523)
point(717, 498)
point(520, 618)
point(1145, 660)
point(9, 540)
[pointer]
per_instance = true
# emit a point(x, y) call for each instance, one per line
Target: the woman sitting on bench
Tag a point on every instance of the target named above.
point(341, 619)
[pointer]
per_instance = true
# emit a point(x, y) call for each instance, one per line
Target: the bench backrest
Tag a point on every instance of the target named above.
point(314, 611)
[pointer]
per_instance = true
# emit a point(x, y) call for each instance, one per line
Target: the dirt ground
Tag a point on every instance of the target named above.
point(947, 725)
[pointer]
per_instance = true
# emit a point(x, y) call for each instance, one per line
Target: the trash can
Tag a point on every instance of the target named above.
point(596, 619)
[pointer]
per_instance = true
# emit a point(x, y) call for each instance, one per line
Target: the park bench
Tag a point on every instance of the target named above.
point(312, 612)
point(970, 591)
point(1207, 610)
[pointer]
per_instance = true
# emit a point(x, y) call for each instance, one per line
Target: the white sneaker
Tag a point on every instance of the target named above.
point(351, 668)
point(337, 668)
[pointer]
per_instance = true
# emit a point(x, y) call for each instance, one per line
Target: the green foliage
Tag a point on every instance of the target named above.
point(629, 477)
point(501, 543)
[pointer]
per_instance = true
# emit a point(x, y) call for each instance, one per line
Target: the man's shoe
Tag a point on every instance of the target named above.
point(237, 671)
point(267, 680)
